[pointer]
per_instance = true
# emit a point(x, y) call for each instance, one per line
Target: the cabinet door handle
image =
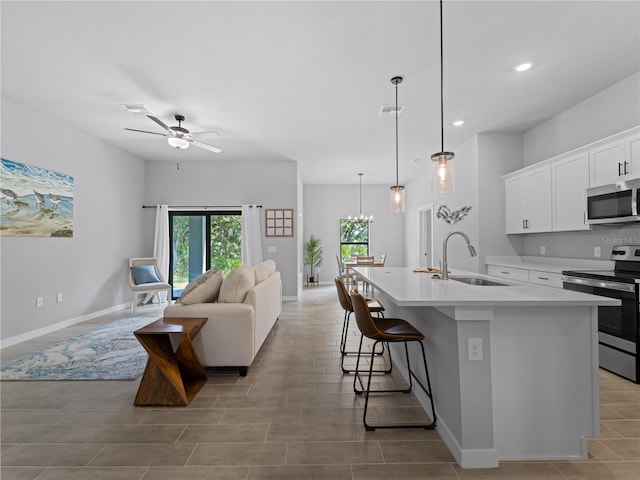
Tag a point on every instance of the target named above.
point(543, 278)
point(619, 169)
point(626, 172)
point(506, 273)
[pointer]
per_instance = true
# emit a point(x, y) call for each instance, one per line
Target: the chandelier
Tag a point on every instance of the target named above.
point(361, 217)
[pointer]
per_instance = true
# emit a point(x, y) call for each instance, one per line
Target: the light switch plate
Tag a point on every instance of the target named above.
point(272, 249)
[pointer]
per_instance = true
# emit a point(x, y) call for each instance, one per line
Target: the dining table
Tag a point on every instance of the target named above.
point(348, 264)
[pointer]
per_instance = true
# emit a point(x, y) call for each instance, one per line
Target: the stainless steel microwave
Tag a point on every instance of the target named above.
point(615, 203)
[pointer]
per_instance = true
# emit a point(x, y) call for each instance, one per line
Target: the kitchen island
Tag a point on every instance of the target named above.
point(514, 367)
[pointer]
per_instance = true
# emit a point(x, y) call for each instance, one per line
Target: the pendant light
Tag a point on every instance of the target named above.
point(360, 217)
point(396, 200)
point(442, 162)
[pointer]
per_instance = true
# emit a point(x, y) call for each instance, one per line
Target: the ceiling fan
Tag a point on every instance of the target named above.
point(178, 136)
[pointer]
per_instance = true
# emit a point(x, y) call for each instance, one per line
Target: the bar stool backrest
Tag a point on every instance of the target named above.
point(343, 297)
point(365, 322)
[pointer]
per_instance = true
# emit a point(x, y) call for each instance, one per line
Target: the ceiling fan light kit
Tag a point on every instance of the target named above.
point(396, 199)
point(442, 162)
point(178, 142)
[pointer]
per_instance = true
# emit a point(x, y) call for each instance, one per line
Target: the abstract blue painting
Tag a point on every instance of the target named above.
point(35, 202)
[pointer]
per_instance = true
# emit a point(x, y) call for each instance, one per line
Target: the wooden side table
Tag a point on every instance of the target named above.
point(171, 378)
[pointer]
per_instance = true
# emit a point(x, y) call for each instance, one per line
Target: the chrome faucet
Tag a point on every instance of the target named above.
point(472, 251)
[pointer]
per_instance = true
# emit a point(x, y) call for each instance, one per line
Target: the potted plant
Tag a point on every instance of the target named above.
point(313, 257)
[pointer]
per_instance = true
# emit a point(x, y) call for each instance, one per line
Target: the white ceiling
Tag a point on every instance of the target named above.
point(304, 81)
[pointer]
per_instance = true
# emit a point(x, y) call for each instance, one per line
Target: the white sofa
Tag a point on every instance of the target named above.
point(235, 330)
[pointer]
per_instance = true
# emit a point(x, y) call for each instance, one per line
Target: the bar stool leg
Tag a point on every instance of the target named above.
point(366, 392)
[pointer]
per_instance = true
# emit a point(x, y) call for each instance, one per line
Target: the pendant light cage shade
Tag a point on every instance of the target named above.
point(442, 177)
point(396, 199)
point(442, 173)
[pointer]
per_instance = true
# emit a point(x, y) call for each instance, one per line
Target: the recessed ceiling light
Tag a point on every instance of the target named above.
point(523, 67)
point(458, 123)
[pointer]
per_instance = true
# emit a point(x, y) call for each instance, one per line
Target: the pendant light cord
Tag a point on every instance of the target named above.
point(360, 194)
point(441, 85)
point(397, 134)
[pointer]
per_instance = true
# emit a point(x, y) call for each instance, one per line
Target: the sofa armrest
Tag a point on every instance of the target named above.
point(266, 299)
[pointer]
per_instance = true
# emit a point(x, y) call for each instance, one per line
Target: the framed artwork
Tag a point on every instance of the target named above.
point(35, 202)
point(279, 222)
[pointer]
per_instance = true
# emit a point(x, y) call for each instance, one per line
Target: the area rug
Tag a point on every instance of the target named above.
point(110, 352)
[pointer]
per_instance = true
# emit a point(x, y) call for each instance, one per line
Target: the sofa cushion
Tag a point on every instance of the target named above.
point(144, 274)
point(203, 289)
point(264, 270)
point(236, 285)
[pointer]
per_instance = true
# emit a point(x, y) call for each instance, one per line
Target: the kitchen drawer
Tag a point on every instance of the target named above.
point(549, 279)
point(508, 272)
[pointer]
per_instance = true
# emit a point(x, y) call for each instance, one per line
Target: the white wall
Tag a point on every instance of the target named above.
point(498, 153)
point(615, 109)
point(610, 111)
point(90, 269)
point(325, 205)
point(270, 184)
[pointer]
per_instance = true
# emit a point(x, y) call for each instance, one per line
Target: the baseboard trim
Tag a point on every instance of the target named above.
point(23, 337)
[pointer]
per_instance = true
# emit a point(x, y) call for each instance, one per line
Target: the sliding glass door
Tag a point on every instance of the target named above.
point(201, 241)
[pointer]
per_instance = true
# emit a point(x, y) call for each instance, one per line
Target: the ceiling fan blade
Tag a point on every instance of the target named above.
point(160, 122)
point(144, 131)
point(207, 131)
point(205, 146)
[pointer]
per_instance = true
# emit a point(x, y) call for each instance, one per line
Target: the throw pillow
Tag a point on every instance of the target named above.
point(264, 270)
point(236, 285)
point(203, 289)
point(144, 274)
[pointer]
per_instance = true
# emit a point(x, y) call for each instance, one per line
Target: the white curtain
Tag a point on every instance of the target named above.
point(251, 238)
point(161, 242)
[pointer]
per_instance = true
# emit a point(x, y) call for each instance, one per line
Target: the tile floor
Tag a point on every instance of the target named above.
point(293, 417)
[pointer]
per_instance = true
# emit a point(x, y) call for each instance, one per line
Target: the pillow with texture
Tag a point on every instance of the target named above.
point(203, 289)
point(264, 270)
point(144, 274)
point(237, 284)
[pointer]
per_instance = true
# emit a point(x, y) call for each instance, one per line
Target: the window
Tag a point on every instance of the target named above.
point(354, 238)
point(192, 254)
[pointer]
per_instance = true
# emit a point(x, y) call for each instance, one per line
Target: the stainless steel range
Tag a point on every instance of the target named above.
point(618, 327)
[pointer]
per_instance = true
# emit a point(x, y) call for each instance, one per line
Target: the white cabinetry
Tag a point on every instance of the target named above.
point(570, 179)
point(615, 161)
point(539, 277)
point(508, 272)
point(550, 279)
point(528, 201)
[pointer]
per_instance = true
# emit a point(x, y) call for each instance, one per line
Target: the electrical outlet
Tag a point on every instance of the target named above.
point(543, 250)
point(272, 249)
point(597, 252)
point(59, 298)
point(474, 353)
point(39, 302)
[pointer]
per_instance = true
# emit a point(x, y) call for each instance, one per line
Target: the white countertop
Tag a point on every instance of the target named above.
point(411, 289)
point(549, 264)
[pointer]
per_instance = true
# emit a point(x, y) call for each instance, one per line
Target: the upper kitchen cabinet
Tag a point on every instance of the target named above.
point(615, 161)
point(570, 179)
point(528, 200)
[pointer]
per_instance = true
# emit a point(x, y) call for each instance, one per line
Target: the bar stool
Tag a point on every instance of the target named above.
point(345, 302)
point(388, 330)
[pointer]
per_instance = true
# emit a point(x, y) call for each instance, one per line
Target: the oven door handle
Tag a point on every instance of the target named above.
point(588, 282)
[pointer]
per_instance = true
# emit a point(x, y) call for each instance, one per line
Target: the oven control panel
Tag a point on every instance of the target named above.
point(626, 252)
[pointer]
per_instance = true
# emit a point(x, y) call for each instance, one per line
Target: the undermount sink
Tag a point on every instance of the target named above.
point(478, 281)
